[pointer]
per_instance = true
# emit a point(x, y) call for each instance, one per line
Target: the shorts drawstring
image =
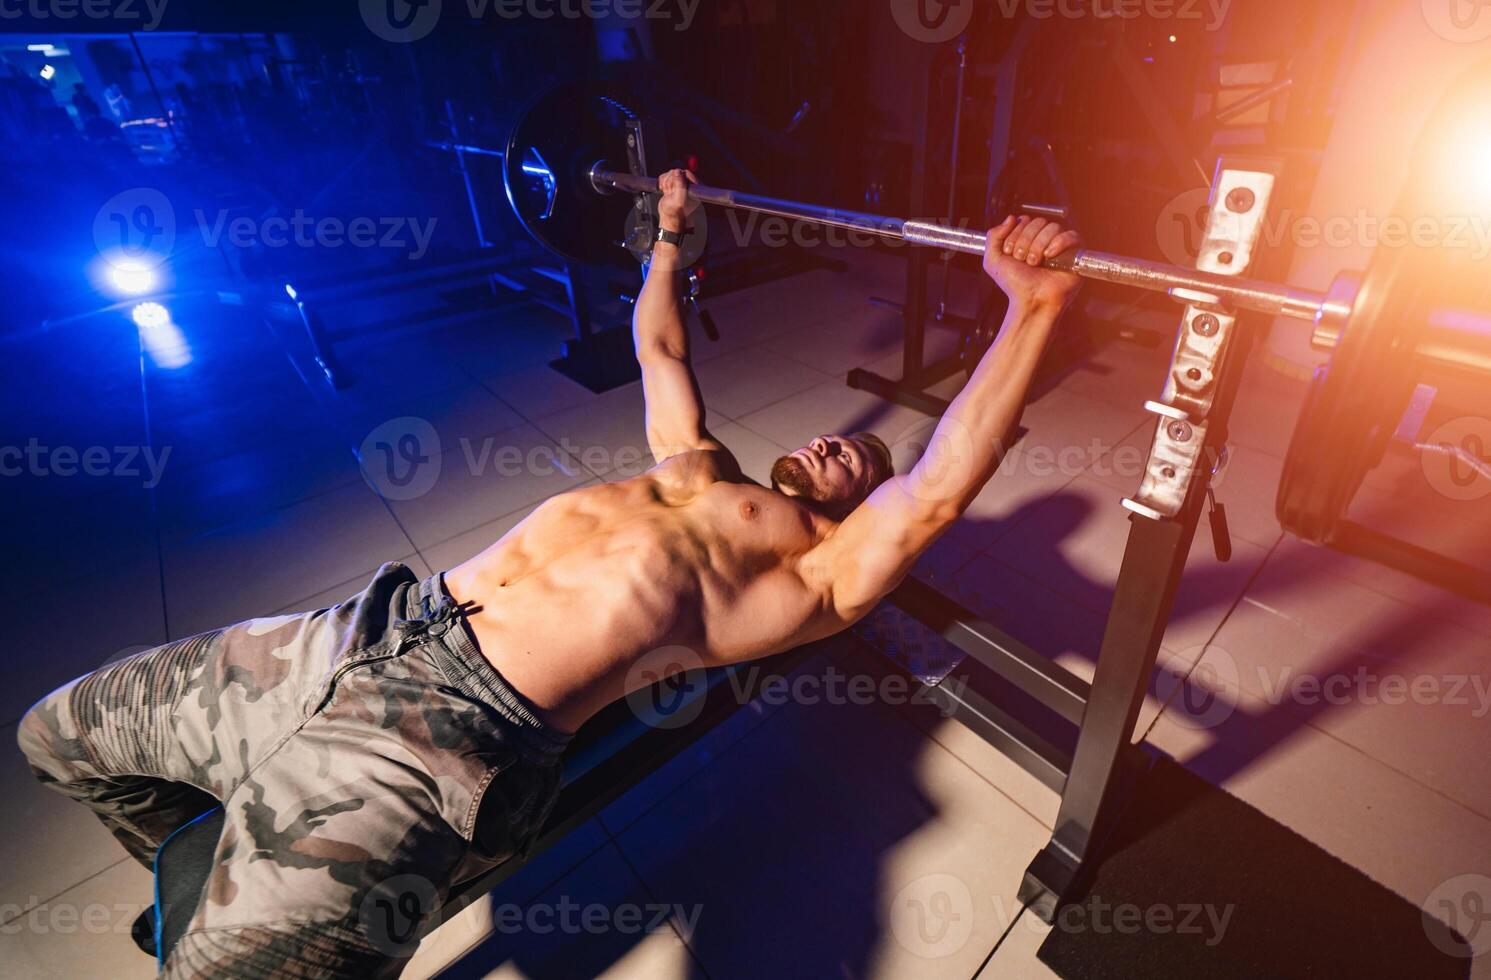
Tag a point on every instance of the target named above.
point(431, 613)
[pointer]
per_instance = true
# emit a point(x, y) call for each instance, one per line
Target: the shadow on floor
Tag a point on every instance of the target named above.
point(1219, 890)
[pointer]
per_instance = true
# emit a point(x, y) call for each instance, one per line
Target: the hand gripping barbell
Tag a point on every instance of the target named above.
point(564, 192)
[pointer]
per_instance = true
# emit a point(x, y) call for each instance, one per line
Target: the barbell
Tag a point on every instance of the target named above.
point(562, 183)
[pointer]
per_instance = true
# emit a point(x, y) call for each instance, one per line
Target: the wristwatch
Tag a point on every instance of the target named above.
point(674, 238)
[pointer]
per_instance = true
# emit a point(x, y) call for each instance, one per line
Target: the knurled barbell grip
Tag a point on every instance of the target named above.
point(1064, 262)
point(1234, 292)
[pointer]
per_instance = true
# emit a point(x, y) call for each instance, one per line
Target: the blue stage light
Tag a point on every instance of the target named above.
point(163, 340)
point(150, 316)
point(132, 276)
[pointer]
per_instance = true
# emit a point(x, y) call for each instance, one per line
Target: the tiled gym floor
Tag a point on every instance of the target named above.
point(795, 839)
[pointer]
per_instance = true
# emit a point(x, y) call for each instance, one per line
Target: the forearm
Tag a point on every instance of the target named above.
point(875, 547)
point(657, 321)
point(974, 434)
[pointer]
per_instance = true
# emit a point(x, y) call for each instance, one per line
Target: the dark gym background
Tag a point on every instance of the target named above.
point(252, 111)
point(134, 318)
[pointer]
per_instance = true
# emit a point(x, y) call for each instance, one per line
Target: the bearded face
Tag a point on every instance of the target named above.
point(834, 473)
point(790, 476)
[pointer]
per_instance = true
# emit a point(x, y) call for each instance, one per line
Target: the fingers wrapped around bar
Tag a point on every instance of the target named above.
point(1031, 239)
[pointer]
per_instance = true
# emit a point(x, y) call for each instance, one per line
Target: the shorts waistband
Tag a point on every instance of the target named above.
point(454, 648)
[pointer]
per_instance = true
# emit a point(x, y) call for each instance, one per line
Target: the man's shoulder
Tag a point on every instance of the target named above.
point(699, 468)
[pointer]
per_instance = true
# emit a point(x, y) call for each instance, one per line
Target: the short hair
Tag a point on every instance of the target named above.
point(885, 467)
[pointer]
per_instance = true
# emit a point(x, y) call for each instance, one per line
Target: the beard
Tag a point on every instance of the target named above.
point(790, 474)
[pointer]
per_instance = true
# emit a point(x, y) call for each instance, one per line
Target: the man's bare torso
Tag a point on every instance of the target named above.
point(692, 554)
point(688, 554)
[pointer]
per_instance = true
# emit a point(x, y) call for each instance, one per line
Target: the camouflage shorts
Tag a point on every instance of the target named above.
point(367, 758)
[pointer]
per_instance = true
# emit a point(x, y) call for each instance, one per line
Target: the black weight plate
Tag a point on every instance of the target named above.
point(1357, 400)
point(566, 130)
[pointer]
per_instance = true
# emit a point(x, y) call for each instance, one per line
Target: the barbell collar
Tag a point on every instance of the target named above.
point(1335, 311)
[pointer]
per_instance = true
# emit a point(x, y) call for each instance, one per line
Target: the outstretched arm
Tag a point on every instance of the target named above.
point(874, 548)
point(675, 409)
